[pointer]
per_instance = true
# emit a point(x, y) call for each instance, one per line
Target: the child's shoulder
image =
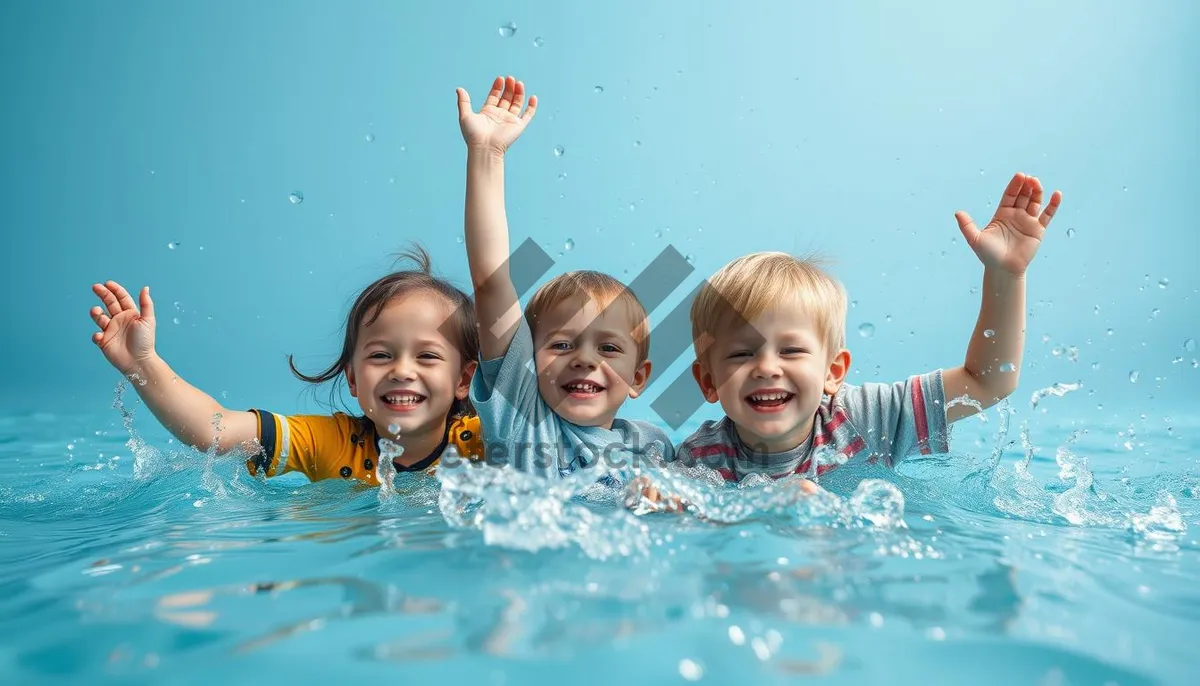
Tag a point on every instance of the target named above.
point(713, 432)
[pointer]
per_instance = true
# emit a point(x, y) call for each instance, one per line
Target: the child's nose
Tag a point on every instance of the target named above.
point(403, 369)
point(766, 367)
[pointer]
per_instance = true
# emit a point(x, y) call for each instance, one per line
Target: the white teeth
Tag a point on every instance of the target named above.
point(764, 397)
point(405, 399)
point(583, 387)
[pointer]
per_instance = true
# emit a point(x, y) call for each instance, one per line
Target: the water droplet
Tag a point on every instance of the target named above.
point(1070, 233)
point(1190, 345)
point(459, 239)
point(1095, 366)
point(172, 245)
point(1133, 376)
point(981, 172)
point(1008, 367)
point(296, 197)
point(974, 290)
point(637, 144)
point(538, 42)
point(569, 245)
point(598, 90)
point(394, 429)
point(1109, 332)
point(658, 234)
point(1125, 188)
point(508, 30)
point(853, 303)
point(1154, 313)
point(632, 206)
point(70, 446)
point(988, 333)
point(370, 137)
point(1164, 282)
point(690, 670)
point(866, 329)
point(691, 259)
point(558, 151)
point(176, 320)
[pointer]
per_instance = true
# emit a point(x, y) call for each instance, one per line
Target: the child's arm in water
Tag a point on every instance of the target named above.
point(488, 133)
point(1006, 246)
point(126, 338)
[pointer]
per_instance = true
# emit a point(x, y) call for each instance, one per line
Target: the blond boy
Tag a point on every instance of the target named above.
point(770, 343)
point(586, 334)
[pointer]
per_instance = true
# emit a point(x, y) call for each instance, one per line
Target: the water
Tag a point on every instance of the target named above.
point(128, 559)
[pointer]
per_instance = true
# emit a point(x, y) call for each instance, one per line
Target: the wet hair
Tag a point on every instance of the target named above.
point(459, 328)
point(601, 288)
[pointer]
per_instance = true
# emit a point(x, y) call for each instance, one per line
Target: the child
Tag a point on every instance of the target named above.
point(586, 334)
point(408, 357)
point(769, 331)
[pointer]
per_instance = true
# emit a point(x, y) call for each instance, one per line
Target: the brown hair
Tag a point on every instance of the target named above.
point(459, 329)
point(601, 288)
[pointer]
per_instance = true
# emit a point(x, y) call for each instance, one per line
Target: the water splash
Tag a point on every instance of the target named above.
point(1058, 390)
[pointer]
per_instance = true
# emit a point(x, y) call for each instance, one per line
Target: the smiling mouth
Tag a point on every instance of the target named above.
point(402, 401)
point(583, 389)
point(769, 402)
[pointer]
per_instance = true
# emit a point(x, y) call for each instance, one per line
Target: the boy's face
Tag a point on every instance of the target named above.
point(771, 391)
point(587, 360)
point(404, 371)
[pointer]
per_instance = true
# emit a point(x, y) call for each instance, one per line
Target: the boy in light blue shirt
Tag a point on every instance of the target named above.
point(550, 383)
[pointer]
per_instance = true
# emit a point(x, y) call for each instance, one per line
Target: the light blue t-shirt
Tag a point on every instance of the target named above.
point(520, 429)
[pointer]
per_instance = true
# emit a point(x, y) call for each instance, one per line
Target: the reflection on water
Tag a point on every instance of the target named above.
point(1022, 563)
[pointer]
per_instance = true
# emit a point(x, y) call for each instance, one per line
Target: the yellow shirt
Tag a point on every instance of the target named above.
point(343, 447)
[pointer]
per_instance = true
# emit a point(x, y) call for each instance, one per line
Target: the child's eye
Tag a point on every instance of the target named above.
point(378, 356)
point(609, 348)
point(740, 353)
point(429, 356)
point(560, 345)
point(794, 351)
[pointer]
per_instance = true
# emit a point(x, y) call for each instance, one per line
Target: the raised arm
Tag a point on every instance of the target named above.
point(126, 338)
point(1006, 246)
point(488, 134)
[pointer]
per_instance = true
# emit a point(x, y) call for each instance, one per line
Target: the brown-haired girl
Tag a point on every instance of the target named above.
point(410, 350)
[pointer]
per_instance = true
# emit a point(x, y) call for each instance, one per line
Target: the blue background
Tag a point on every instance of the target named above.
point(854, 129)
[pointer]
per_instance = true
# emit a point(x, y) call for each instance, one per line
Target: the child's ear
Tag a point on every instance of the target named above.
point(464, 380)
point(839, 367)
point(350, 381)
point(705, 380)
point(640, 376)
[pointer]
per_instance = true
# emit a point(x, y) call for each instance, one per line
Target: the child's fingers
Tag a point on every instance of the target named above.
point(147, 303)
point(122, 295)
point(100, 318)
point(1012, 190)
point(510, 85)
point(464, 102)
point(1026, 193)
point(110, 301)
point(1035, 202)
point(493, 98)
point(1048, 213)
point(967, 226)
point(518, 99)
point(528, 116)
point(808, 487)
point(97, 338)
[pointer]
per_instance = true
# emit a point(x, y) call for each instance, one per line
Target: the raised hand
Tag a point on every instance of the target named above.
point(1010, 241)
point(126, 336)
point(500, 121)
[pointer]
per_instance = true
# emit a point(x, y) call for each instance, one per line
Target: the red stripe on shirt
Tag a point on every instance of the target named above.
point(727, 474)
point(921, 419)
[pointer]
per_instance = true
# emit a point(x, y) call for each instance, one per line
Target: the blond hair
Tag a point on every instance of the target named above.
point(604, 290)
point(750, 285)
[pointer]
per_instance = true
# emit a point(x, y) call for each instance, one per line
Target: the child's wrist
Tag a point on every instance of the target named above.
point(486, 151)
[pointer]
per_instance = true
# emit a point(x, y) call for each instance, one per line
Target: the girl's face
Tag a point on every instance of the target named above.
point(405, 373)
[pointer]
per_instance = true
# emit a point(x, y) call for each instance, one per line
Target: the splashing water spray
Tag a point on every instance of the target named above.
point(385, 471)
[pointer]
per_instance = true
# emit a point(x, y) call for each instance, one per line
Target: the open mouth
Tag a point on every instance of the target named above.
point(769, 401)
point(402, 401)
point(582, 389)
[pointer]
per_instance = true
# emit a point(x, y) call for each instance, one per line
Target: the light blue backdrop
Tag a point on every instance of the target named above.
point(853, 128)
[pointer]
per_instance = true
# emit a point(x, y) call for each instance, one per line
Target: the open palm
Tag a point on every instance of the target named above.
point(500, 121)
point(1013, 236)
point(126, 336)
